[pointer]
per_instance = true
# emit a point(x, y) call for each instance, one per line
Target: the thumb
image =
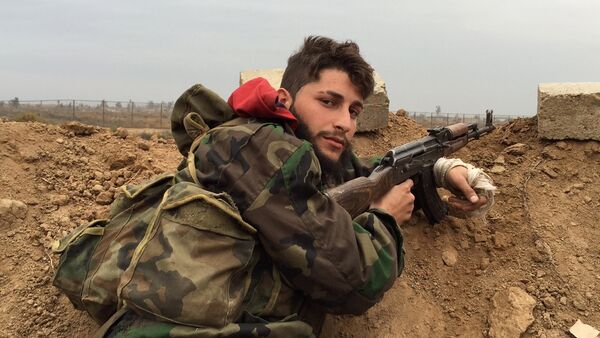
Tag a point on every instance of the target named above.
point(467, 191)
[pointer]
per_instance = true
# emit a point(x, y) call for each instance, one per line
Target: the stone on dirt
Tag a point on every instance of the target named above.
point(581, 330)
point(450, 256)
point(512, 313)
point(516, 149)
point(569, 110)
point(104, 198)
point(121, 161)
point(121, 132)
point(12, 208)
point(80, 129)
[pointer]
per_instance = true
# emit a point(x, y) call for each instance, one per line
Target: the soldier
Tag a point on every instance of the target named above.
point(275, 159)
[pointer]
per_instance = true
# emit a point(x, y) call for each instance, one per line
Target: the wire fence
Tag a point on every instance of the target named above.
point(128, 114)
point(153, 115)
point(431, 119)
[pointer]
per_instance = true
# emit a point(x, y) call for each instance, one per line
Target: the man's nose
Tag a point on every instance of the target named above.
point(344, 120)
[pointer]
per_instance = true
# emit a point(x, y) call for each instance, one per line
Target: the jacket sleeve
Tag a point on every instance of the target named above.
point(344, 264)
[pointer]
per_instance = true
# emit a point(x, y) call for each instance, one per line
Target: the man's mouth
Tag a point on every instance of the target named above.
point(335, 142)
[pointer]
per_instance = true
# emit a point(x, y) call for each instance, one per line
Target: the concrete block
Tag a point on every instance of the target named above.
point(569, 111)
point(375, 115)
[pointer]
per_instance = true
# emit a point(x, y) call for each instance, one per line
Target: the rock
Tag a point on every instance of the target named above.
point(562, 145)
point(60, 140)
point(500, 160)
point(450, 256)
point(549, 302)
point(104, 198)
point(121, 161)
point(497, 169)
point(485, 262)
point(580, 304)
point(581, 330)
point(568, 111)
point(143, 145)
point(550, 172)
point(12, 208)
point(512, 313)
point(121, 132)
point(516, 149)
point(501, 241)
point(563, 300)
point(59, 200)
point(97, 188)
point(79, 129)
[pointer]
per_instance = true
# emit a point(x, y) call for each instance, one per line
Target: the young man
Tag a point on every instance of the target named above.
point(275, 160)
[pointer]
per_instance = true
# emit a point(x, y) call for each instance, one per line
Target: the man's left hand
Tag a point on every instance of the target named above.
point(469, 201)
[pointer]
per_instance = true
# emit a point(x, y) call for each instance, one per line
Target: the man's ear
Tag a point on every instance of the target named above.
point(284, 97)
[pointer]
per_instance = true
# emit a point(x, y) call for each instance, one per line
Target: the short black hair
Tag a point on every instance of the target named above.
point(319, 53)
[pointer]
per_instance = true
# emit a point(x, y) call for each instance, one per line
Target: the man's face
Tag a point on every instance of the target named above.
point(328, 108)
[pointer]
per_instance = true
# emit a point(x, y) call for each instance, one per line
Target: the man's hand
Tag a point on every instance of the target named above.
point(469, 201)
point(398, 202)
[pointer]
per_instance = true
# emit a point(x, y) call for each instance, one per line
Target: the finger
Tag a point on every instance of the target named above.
point(464, 187)
point(464, 205)
point(409, 183)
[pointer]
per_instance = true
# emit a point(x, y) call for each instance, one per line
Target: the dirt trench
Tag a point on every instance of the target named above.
point(542, 236)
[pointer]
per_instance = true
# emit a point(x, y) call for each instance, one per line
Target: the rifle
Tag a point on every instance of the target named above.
point(413, 160)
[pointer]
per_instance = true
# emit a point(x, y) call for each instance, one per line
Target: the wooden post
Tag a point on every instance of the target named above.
point(161, 112)
point(131, 107)
point(73, 110)
point(103, 107)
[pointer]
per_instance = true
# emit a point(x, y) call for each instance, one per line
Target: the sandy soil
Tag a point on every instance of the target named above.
point(542, 236)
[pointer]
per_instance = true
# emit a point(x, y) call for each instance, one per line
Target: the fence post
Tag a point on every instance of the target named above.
point(463, 118)
point(73, 110)
point(430, 120)
point(131, 107)
point(161, 112)
point(447, 118)
point(103, 107)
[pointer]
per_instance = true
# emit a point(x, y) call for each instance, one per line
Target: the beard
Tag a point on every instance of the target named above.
point(333, 172)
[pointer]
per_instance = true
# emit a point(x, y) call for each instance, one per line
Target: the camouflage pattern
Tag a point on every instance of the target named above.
point(92, 261)
point(310, 256)
point(193, 266)
point(130, 325)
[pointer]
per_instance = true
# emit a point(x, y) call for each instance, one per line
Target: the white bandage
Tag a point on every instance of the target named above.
point(477, 179)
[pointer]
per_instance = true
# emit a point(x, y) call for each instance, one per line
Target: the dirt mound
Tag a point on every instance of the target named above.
point(542, 237)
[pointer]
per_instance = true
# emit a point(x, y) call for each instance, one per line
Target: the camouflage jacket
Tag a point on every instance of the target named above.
point(309, 246)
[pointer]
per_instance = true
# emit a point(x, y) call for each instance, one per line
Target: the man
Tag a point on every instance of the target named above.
point(275, 161)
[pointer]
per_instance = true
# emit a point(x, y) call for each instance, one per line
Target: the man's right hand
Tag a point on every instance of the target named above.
point(398, 202)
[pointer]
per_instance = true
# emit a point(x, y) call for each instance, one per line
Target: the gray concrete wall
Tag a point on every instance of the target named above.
point(377, 105)
point(569, 111)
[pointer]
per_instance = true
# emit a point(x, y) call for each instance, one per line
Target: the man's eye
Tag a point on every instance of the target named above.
point(354, 113)
point(327, 102)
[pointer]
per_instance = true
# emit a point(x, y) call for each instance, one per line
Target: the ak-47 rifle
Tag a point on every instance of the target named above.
point(413, 160)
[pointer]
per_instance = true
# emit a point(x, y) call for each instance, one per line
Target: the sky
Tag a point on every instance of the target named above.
point(463, 55)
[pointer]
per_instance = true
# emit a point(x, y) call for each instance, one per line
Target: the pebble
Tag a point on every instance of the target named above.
point(516, 149)
point(579, 304)
point(550, 172)
point(97, 188)
point(60, 140)
point(15, 208)
point(497, 169)
point(104, 198)
point(144, 146)
point(485, 262)
point(450, 256)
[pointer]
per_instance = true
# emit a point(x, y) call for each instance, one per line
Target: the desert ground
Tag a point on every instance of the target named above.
point(530, 268)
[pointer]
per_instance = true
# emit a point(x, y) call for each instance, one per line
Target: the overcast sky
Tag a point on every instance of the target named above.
point(464, 55)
